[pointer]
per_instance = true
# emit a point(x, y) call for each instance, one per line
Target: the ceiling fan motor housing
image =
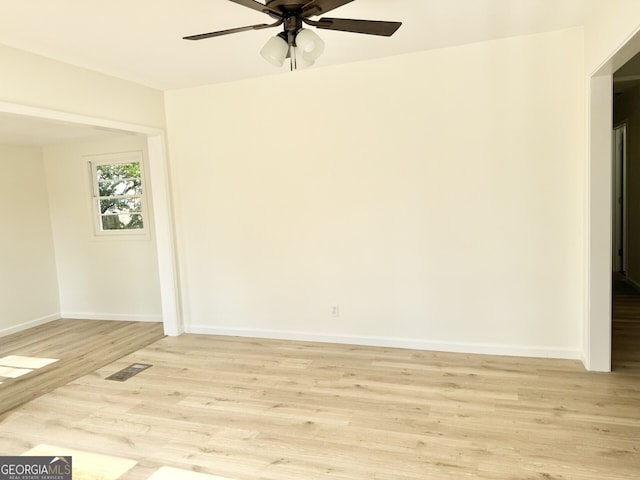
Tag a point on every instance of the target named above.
point(286, 5)
point(291, 11)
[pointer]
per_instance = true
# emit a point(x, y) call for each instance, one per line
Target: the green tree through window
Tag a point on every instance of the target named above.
point(118, 195)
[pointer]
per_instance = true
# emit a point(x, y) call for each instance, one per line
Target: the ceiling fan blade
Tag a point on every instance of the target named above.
point(319, 7)
point(370, 27)
point(261, 7)
point(260, 26)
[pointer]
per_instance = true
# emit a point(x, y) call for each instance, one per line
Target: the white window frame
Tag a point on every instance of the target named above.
point(95, 161)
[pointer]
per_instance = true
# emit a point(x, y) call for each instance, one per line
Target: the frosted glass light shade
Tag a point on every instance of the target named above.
point(310, 44)
point(301, 60)
point(275, 51)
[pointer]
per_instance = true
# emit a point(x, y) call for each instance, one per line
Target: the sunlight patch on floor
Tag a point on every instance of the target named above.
point(11, 372)
point(170, 473)
point(19, 361)
point(86, 465)
point(14, 366)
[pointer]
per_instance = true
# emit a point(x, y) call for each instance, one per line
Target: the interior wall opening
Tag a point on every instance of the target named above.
point(625, 305)
point(47, 127)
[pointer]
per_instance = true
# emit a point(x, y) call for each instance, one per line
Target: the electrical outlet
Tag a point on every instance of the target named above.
point(335, 310)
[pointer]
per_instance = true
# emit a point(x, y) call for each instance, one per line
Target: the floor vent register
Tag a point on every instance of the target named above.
point(127, 373)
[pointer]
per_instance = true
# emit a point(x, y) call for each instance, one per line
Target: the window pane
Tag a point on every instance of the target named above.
point(119, 179)
point(121, 222)
point(120, 205)
point(118, 170)
point(107, 188)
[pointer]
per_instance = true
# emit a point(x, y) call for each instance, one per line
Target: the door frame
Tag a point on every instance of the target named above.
point(160, 198)
point(599, 222)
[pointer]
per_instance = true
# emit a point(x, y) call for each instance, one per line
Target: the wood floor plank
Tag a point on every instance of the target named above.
point(252, 409)
point(81, 347)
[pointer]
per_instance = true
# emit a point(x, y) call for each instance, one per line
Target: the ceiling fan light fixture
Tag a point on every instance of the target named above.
point(310, 45)
point(275, 51)
point(301, 45)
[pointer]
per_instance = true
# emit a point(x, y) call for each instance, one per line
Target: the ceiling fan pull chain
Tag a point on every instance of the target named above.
point(294, 59)
point(292, 50)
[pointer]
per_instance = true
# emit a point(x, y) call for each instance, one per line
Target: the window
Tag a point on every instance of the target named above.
point(118, 195)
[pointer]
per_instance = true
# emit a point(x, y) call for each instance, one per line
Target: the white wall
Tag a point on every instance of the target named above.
point(99, 278)
point(436, 197)
point(27, 262)
point(608, 26)
point(32, 80)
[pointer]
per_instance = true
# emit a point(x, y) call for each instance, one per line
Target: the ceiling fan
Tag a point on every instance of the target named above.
point(301, 45)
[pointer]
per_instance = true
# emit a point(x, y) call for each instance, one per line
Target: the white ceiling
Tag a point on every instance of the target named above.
point(140, 40)
point(21, 130)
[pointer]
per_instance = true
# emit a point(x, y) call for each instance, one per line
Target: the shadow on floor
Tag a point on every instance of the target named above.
point(626, 327)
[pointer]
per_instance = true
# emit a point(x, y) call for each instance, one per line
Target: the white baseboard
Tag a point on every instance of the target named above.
point(393, 342)
point(112, 316)
point(29, 324)
point(583, 359)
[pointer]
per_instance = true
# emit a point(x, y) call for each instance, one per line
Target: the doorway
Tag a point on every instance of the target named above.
point(619, 200)
point(600, 261)
point(160, 196)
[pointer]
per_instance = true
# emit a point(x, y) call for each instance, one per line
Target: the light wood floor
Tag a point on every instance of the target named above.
point(626, 328)
point(276, 410)
point(81, 346)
